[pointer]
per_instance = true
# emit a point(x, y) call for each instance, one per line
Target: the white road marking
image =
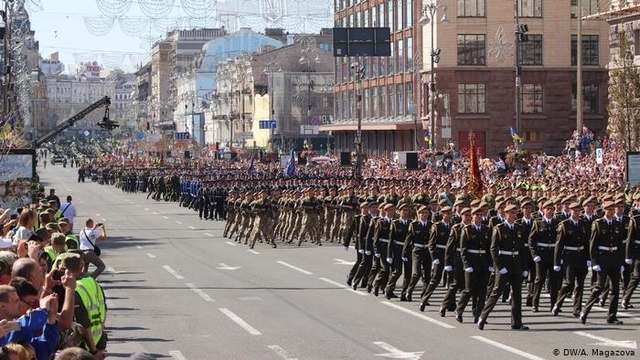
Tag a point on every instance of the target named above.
point(253, 252)
point(507, 348)
point(395, 353)
point(138, 205)
point(139, 247)
point(179, 222)
point(165, 217)
point(223, 266)
point(97, 214)
point(418, 315)
point(173, 272)
point(627, 344)
point(230, 243)
point(103, 219)
point(192, 227)
point(110, 270)
point(201, 293)
point(151, 255)
point(208, 234)
point(177, 355)
point(294, 267)
point(147, 209)
point(329, 281)
point(343, 262)
point(280, 352)
point(236, 319)
point(155, 213)
point(619, 313)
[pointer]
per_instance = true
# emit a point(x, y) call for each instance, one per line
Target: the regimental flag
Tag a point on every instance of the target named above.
point(514, 134)
point(475, 183)
point(290, 170)
point(252, 168)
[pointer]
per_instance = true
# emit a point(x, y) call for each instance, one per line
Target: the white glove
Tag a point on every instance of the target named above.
point(537, 259)
point(346, 248)
point(503, 271)
point(556, 268)
point(596, 268)
point(367, 252)
point(405, 259)
point(589, 264)
point(621, 269)
point(377, 255)
point(525, 273)
point(448, 268)
point(469, 270)
point(361, 251)
point(629, 261)
point(436, 262)
point(390, 260)
point(490, 268)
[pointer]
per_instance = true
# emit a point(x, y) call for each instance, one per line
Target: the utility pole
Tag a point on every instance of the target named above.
point(518, 84)
point(579, 95)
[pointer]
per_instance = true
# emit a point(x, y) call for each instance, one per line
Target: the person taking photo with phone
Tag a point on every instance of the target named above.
point(89, 236)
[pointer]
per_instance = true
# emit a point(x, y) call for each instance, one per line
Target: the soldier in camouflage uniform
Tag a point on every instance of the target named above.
point(310, 225)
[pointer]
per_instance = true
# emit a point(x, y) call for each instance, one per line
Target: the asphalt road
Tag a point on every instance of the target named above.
point(177, 289)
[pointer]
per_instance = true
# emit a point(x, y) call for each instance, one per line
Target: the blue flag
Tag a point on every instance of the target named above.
point(514, 134)
point(290, 170)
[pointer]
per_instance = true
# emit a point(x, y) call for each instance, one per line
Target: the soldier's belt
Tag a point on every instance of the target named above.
point(419, 246)
point(439, 246)
point(509, 253)
point(546, 245)
point(574, 248)
point(474, 251)
point(383, 240)
point(607, 248)
point(637, 242)
point(399, 242)
point(526, 245)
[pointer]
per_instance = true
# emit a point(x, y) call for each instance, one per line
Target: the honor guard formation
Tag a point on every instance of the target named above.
point(548, 229)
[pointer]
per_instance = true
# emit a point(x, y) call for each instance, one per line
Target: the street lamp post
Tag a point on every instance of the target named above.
point(429, 12)
point(360, 72)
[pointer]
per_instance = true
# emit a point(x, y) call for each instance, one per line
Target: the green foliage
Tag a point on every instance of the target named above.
point(624, 98)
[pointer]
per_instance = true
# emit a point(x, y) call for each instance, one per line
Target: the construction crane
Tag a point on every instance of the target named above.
point(106, 123)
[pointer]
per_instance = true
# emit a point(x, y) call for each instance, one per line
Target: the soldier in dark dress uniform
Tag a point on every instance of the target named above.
point(381, 243)
point(632, 257)
point(366, 246)
point(542, 243)
point(453, 262)
point(358, 229)
point(438, 238)
point(572, 248)
point(606, 258)
point(507, 247)
point(415, 246)
point(526, 222)
point(398, 234)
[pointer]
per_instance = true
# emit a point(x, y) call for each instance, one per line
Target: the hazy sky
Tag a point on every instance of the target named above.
point(80, 31)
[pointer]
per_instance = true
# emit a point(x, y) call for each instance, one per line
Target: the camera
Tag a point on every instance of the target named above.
point(99, 225)
point(58, 274)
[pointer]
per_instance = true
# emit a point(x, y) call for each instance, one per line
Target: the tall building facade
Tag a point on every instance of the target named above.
point(474, 75)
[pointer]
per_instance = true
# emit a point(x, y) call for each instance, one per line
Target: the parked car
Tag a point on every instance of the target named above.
point(57, 159)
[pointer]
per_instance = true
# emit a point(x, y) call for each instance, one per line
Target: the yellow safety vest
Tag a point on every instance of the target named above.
point(73, 238)
point(93, 300)
point(51, 252)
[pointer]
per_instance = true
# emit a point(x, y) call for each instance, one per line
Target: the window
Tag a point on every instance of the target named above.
point(390, 60)
point(390, 22)
point(383, 101)
point(531, 136)
point(591, 100)
point(392, 100)
point(365, 106)
point(532, 98)
point(589, 7)
point(409, 50)
point(374, 102)
point(590, 51)
point(381, 12)
point(373, 70)
point(365, 17)
point(408, 10)
point(401, 101)
point(399, 14)
point(471, 98)
point(530, 8)
point(471, 8)
point(400, 67)
point(345, 105)
point(636, 41)
point(409, 94)
point(471, 50)
point(374, 16)
point(531, 51)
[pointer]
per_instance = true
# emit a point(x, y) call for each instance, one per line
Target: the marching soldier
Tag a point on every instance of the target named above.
point(415, 246)
point(357, 230)
point(453, 262)
point(475, 242)
point(572, 248)
point(365, 245)
point(542, 243)
point(398, 234)
point(438, 238)
point(606, 254)
point(507, 246)
point(632, 257)
point(381, 244)
point(526, 222)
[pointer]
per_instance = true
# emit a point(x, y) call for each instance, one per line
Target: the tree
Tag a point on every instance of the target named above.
point(624, 97)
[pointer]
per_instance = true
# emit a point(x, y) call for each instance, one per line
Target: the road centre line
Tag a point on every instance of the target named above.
point(208, 234)
point(329, 281)
point(280, 352)
point(243, 324)
point(192, 227)
point(294, 267)
point(139, 247)
point(151, 255)
point(230, 243)
point(155, 213)
point(200, 292)
point(178, 222)
point(253, 252)
point(173, 272)
point(177, 355)
point(507, 348)
point(418, 315)
point(165, 217)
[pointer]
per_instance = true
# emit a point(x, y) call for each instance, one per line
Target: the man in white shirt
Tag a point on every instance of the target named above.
point(68, 210)
point(88, 238)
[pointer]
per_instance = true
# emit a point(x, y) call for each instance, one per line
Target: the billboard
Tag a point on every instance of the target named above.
point(633, 168)
point(17, 171)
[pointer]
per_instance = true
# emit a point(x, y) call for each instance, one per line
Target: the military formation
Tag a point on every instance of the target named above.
point(484, 250)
